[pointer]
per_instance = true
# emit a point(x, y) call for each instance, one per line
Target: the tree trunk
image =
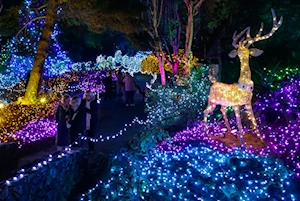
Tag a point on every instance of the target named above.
point(161, 62)
point(37, 71)
point(192, 7)
point(189, 40)
point(175, 66)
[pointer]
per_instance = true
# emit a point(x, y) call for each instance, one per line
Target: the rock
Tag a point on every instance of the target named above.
point(8, 158)
point(49, 182)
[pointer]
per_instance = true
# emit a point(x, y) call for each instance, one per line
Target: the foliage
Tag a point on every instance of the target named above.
point(272, 79)
point(281, 49)
point(281, 105)
point(224, 9)
point(15, 116)
point(176, 104)
point(9, 21)
point(98, 15)
point(195, 173)
point(130, 64)
point(150, 64)
point(17, 55)
point(146, 141)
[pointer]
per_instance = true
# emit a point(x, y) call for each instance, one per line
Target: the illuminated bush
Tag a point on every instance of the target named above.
point(173, 104)
point(147, 140)
point(272, 79)
point(195, 173)
point(150, 64)
point(14, 117)
point(281, 105)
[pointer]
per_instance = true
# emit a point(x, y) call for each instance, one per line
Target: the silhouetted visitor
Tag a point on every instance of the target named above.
point(77, 121)
point(120, 84)
point(92, 116)
point(107, 81)
point(62, 115)
point(129, 89)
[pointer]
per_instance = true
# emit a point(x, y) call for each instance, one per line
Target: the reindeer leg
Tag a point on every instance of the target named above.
point(253, 120)
point(209, 109)
point(239, 123)
point(223, 110)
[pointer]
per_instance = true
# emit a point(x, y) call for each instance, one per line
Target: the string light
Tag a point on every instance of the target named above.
point(102, 139)
point(195, 173)
point(130, 64)
point(22, 123)
point(167, 105)
point(36, 130)
point(23, 173)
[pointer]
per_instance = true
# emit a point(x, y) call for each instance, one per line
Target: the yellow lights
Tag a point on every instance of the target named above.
point(1, 105)
point(240, 94)
point(258, 37)
point(14, 116)
point(43, 100)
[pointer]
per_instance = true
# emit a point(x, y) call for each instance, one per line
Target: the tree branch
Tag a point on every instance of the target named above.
point(41, 7)
point(195, 9)
point(160, 12)
point(34, 19)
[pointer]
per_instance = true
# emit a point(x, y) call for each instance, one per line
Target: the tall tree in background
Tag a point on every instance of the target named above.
point(154, 16)
point(37, 71)
point(88, 13)
point(193, 9)
point(172, 34)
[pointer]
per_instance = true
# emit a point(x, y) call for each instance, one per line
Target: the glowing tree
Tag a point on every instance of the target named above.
point(17, 55)
point(239, 94)
point(165, 31)
point(37, 71)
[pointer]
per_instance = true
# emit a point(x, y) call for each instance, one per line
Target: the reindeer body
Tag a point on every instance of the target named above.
point(228, 95)
point(239, 94)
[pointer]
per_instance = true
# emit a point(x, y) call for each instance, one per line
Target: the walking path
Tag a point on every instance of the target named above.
point(113, 117)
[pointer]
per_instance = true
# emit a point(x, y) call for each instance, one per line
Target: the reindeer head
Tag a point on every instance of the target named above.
point(242, 45)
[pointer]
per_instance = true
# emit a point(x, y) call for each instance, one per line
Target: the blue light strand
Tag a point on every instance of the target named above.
point(195, 173)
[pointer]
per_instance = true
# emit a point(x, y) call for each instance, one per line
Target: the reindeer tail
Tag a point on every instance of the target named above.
point(212, 79)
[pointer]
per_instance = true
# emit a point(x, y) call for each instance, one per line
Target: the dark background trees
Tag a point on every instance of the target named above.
point(280, 51)
point(93, 27)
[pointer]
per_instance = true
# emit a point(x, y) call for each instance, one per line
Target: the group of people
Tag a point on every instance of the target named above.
point(76, 117)
point(126, 87)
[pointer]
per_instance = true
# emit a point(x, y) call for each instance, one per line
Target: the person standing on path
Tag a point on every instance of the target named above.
point(129, 89)
point(120, 85)
point(90, 106)
point(62, 115)
point(108, 86)
point(76, 123)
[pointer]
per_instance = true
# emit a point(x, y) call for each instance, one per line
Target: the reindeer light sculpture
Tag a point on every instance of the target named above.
point(239, 94)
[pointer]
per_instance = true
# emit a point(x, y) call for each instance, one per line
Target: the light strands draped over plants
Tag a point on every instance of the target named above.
point(130, 64)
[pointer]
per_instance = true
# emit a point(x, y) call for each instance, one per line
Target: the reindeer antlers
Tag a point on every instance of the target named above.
point(235, 37)
point(249, 41)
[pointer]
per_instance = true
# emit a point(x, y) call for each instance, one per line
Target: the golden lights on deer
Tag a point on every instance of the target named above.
point(239, 94)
